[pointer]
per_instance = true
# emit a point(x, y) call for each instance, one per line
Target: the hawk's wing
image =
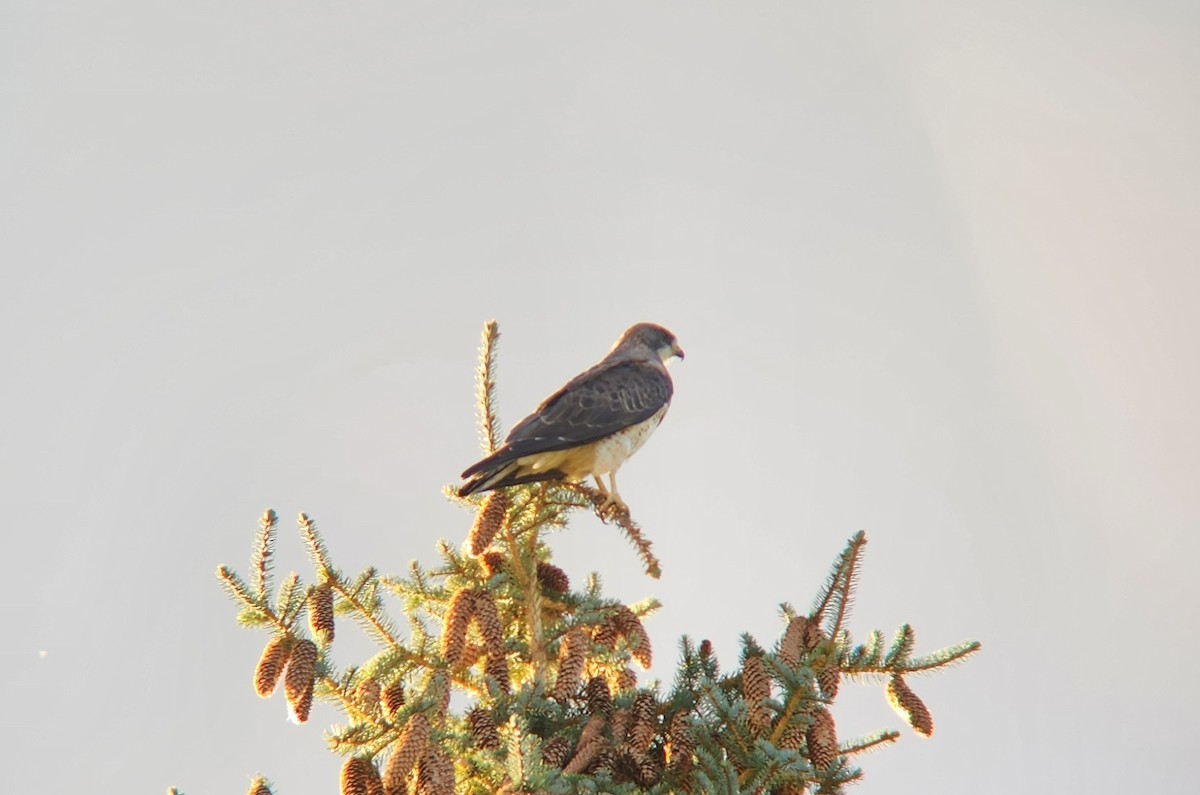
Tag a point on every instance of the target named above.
point(591, 406)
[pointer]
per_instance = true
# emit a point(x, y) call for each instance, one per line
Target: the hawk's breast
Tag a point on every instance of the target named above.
point(612, 451)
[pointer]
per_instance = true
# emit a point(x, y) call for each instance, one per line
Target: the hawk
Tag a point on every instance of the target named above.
point(592, 424)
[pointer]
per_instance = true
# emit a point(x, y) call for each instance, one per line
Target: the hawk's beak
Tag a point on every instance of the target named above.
point(675, 349)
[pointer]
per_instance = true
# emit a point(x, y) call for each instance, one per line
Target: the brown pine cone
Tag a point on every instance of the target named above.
point(488, 522)
point(572, 656)
point(822, 740)
point(299, 678)
point(408, 750)
point(454, 630)
point(320, 613)
point(552, 578)
point(909, 706)
point(271, 664)
point(483, 729)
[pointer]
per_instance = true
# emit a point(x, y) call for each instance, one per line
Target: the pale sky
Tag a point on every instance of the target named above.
point(934, 265)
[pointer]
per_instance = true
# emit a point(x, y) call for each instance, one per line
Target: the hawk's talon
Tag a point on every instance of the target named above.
point(612, 504)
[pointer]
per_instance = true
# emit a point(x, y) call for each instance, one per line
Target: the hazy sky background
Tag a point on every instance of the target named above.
point(934, 265)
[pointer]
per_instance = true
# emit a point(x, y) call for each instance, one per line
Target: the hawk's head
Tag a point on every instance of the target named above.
point(652, 337)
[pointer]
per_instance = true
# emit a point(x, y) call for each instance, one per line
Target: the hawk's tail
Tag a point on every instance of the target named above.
point(508, 474)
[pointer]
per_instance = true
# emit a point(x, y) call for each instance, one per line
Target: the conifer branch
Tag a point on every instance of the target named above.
point(902, 646)
point(941, 659)
point(289, 599)
point(849, 582)
point(239, 591)
point(237, 588)
point(840, 582)
point(869, 743)
point(315, 546)
point(264, 546)
point(485, 380)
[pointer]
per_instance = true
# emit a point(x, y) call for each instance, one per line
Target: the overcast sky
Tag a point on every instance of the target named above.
point(934, 265)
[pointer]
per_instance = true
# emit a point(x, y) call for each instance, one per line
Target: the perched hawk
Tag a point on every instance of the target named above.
point(591, 425)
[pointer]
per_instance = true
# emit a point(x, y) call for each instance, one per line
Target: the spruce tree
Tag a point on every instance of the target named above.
point(547, 671)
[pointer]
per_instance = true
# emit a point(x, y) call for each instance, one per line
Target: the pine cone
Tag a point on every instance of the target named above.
point(488, 522)
point(706, 649)
point(572, 656)
point(435, 774)
point(642, 651)
point(320, 612)
point(646, 771)
point(299, 678)
point(756, 688)
point(680, 746)
point(644, 723)
point(356, 776)
point(454, 631)
point(366, 695)
point(487, 619)
point(271, 664)
point(622, 618)
point(626, 680)
point(585, 754)
point(909, 706)
point(791, 645)
point(473, 653)
point(829, 680)
point(756, 685)
point(552, 578)
point(813, 635)
point(409, 748)
point(493, 562)
point(483, 729)
point(374, 782)
point(556, 752)
point(606, 635)
point(792, 739)
point(599, 700)
point(497, 668)
point(594, 728)
point(618, 724)
point(604, 762)
point(630, 626)
point(822, 740)
point(392, 697)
